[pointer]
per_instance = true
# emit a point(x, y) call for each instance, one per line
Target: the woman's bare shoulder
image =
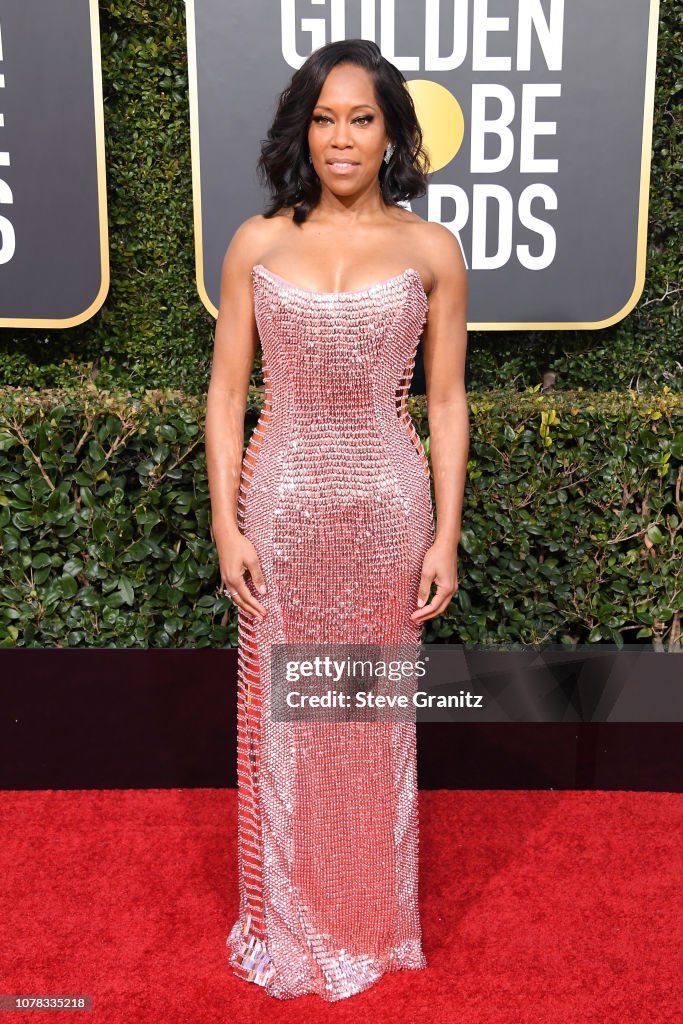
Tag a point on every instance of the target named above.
point(442, 251)
point(436, 250)
point(427, 233)
point(259, 228)
point(253, 236)
point(430, 232)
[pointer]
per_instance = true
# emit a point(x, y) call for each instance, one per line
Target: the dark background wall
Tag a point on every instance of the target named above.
point(156, 719)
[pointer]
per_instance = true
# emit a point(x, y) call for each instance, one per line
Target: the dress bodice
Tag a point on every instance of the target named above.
point(337, 368)
point(336, 352)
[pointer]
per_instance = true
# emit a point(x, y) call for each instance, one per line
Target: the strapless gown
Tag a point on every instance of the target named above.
point(335, 496)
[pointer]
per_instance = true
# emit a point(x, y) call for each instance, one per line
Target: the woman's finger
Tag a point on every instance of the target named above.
point(242, 597)
point(254, 567)
point(437, 605)
point(426, 580)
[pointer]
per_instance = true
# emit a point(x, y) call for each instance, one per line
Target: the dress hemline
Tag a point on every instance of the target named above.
point(249, 958)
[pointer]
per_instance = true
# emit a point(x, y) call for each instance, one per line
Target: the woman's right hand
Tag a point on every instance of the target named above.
point(237, 555)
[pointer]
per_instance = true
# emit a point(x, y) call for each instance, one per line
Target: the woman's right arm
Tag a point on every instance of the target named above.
point(235, 346)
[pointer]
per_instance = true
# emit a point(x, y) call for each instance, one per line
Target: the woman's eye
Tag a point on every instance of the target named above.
point(364, 119)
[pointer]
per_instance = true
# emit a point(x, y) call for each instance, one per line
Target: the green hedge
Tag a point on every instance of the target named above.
point(154, 332)
point(571, 527)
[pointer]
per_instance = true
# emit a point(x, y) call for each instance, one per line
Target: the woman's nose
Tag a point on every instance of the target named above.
point(341, 135)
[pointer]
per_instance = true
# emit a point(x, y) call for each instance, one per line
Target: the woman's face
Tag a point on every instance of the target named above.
point(347, 136)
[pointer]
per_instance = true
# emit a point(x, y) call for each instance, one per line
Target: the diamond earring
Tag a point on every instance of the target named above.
point(388, 153)
point(310, 158)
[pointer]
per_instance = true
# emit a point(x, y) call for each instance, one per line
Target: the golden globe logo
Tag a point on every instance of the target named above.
point(441, 119)
point(509, 119)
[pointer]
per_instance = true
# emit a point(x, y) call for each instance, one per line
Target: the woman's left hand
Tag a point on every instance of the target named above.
point(440, 566)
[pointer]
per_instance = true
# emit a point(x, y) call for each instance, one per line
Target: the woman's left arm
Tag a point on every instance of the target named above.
point(444, 347)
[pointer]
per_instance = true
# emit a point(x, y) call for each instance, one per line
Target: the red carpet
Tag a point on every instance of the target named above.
point(537, 907)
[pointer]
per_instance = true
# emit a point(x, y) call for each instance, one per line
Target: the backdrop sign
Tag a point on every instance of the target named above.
point(537, 117)
point(54, 262)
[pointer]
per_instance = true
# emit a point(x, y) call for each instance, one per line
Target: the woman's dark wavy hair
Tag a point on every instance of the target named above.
point(283, 165)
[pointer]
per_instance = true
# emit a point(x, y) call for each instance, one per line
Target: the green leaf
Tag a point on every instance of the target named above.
point(72, 566)
point(126, 590)
point(99, 529)
point(69, 586)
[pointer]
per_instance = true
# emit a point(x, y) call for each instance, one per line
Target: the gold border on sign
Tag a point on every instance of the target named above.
point(80, 318)
point(643, 198)
point(193, 90)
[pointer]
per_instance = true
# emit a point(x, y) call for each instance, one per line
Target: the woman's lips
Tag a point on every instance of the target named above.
point(342, 166)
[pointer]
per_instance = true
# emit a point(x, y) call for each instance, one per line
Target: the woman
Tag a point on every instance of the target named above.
point(325, 530)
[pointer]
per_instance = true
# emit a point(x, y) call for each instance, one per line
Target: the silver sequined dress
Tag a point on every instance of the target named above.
point(335, 496)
